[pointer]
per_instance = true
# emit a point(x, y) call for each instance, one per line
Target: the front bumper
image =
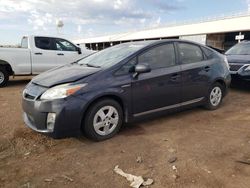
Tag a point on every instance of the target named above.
point(68, 112)
point(238, 71)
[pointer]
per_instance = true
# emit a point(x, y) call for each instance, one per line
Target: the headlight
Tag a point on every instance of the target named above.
point(61, 91)
point(248, 68)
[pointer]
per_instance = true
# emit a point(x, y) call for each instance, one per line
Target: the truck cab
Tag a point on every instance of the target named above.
point(38, 54)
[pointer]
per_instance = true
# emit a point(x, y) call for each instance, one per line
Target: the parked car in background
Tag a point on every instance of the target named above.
point(36, 55)
point(123, 83)
point(239, 60)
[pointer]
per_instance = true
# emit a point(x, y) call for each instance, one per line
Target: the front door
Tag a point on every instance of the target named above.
point(159, 89)
point(66, 51)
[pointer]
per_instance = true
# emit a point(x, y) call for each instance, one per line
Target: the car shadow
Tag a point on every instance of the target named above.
point(139, 127)
point(240, 85)
point(18, 82)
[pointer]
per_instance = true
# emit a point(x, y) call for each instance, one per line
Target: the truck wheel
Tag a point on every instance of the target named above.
point(103, 120)
point(4, 77)
point(215, 96)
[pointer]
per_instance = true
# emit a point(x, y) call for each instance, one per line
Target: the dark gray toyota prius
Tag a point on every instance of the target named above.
point(127, 82)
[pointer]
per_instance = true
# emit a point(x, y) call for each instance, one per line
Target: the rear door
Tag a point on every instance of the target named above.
point(195, 72)
point(66, 52)
point(43, 55)
point(159, 89)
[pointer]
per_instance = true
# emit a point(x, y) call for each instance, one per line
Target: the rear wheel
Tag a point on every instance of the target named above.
point(103, 120)
point(4, 77)
point(215, 96)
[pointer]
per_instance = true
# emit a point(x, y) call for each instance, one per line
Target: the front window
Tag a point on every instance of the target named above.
point(112, 55)
point(239, 49)
point(64, 45)
point(159, 57)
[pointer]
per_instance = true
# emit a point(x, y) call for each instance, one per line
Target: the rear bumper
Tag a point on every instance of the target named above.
point(68, 119)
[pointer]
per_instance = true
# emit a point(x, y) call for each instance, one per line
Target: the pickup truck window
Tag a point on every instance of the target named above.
point(43, 43)
point(24, 43)
point(63, 45)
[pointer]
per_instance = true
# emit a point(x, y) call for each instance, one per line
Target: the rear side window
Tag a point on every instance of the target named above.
point(190, 53)
point(43, 43)
point(159, 57)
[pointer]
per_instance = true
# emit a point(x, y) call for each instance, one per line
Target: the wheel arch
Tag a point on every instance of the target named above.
point(222, 82)
point(7, 67)
point(112, 96)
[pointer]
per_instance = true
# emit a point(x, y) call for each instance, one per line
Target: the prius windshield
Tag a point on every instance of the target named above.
point(113, 55)
point(239, 49)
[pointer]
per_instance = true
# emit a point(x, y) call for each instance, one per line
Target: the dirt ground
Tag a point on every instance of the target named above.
point(207, 145)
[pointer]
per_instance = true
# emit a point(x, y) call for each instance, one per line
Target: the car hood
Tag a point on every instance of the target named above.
point(241, 59)
point(64, 74)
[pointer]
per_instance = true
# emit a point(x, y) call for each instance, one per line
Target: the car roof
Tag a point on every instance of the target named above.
point(154, 42)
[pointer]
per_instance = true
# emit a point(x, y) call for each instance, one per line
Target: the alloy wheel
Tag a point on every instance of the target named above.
point(106, 120)
point(216, 96)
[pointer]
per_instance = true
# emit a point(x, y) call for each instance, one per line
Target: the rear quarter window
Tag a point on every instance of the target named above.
point(208, 53)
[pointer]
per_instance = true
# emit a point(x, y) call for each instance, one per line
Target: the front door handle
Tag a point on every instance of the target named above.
point(175, 77)
point(38, 53)
point(60, 54)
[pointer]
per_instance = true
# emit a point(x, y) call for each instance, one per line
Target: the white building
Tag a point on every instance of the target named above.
point(216, 32)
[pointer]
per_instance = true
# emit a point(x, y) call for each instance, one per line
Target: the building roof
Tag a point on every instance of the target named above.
point(233, 23)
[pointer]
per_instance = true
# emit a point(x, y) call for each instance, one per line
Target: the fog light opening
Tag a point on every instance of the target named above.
point(51, 118)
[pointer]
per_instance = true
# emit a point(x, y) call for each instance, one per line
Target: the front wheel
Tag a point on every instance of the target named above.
point(103, 120)
point(215, 96)
point(4, 77)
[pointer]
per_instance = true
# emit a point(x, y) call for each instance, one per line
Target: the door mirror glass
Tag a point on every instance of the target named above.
point(142, 68)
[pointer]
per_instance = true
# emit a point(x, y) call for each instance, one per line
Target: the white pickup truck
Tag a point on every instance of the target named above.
point(36, 55)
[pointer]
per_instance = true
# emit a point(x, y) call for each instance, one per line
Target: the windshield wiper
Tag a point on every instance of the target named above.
point(90, 65)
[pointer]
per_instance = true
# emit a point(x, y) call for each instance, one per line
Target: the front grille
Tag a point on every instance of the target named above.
point(235, 67)
point(33, 91)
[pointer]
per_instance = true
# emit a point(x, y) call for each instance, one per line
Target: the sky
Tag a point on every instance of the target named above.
point(90, 18)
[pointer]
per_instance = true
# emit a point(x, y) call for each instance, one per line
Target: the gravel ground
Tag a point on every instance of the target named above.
point(207, 147)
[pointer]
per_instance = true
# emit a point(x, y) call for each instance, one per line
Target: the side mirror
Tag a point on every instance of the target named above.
point(142, 68)
point(79, 50)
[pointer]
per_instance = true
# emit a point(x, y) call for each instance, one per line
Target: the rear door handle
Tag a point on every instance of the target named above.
point(38, 53)
point(60, 54)
point(175, 77)
point(207, 68)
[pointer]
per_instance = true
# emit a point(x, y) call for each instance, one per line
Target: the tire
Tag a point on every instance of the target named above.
point(215, 96)
point(4, 77)
point(103, 120)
